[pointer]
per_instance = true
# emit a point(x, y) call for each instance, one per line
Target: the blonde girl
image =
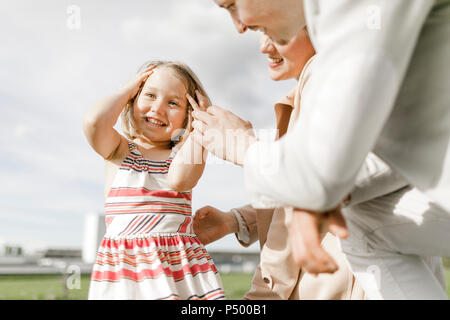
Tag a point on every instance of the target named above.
point(149, 250)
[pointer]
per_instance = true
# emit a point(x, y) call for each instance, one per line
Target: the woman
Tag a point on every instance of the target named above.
point(278, 277)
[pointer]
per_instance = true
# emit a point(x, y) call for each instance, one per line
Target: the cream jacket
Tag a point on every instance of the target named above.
point(278, 276)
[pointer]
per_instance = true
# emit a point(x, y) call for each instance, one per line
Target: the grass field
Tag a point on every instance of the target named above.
point(52, 287)
point(43, 287)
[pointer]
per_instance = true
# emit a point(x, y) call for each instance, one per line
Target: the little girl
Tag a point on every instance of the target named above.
point(149, 250)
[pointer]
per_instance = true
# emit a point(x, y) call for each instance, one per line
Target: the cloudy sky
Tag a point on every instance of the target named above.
point(52, 72)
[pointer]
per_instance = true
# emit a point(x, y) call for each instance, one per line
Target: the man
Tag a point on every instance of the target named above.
point(374, 84)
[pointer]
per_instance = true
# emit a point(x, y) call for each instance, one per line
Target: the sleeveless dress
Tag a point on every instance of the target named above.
point(149, 250)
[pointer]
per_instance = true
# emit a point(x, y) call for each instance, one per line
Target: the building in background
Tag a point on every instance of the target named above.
point(28, 259)
point(228, 262)
point(94, 230)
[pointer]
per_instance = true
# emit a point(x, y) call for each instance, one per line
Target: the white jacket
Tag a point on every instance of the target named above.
point(381, 82)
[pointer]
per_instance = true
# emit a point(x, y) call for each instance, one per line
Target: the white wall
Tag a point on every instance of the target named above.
point(94, 230)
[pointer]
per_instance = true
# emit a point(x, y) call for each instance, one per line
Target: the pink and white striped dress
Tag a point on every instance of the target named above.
point(149, 250)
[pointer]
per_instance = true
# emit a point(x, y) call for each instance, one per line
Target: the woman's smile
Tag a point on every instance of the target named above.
point(275, 62)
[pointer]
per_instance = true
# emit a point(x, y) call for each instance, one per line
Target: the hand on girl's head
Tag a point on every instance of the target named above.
point(203, 101)
point(202, 104)
point(146, 72)
point(144, 75)
point(133, 87)
point(192, 102)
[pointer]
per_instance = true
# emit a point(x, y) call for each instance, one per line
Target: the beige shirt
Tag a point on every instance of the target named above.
point(278, 276)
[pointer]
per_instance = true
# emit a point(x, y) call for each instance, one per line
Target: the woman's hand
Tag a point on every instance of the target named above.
point(223, 133)
point(202, 105)
point(211, 224)
point(305, 229)
point(131, 89)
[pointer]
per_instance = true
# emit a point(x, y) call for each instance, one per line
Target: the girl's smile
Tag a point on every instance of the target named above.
point(161, 108)
point(154, 123)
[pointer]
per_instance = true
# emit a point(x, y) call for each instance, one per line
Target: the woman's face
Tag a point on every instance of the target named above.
point(161, 107)
point(230, 6)
point(287, 61)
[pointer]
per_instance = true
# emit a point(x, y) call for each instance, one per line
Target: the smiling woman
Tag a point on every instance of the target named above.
point(230, 6)
point(280, 20)
point(287, 61)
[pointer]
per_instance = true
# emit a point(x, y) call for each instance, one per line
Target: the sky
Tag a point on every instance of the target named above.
point(56, 62)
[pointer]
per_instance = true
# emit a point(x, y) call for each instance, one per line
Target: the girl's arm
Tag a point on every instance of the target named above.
point(188, 164)
point(99, 121)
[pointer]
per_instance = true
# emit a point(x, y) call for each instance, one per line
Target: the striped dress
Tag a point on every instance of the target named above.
point(149, 250)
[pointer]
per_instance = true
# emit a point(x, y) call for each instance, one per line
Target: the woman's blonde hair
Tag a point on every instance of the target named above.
point(185, 74)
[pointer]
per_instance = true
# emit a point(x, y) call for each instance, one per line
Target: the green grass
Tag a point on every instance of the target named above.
point(40, 287)
point(43, 287)
point(51, 287)
point(447, 276)
point(236, 284)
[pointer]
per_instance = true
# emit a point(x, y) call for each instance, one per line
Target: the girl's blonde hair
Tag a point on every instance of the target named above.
point(185, 74)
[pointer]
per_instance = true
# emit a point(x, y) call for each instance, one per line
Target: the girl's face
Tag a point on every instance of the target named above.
point(161, 107)
point(287, 61)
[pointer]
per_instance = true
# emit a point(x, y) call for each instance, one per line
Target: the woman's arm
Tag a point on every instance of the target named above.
point(375, 179)
point(211, 224)
point(357, 77)
point(249, 228)
point(223, 133)
point(99, 121)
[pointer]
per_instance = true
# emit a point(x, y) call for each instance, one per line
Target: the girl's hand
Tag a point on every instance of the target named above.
point(131, 89)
